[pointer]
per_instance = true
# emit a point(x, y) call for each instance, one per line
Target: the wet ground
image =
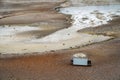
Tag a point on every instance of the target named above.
point(56, 65)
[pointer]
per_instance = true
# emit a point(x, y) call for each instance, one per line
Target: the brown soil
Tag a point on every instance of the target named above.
point(30, 13)
point(57, 66)
point(110, 29)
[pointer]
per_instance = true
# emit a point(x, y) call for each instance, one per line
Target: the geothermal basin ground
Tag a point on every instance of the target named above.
point(27, 39)
point(37, 43)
